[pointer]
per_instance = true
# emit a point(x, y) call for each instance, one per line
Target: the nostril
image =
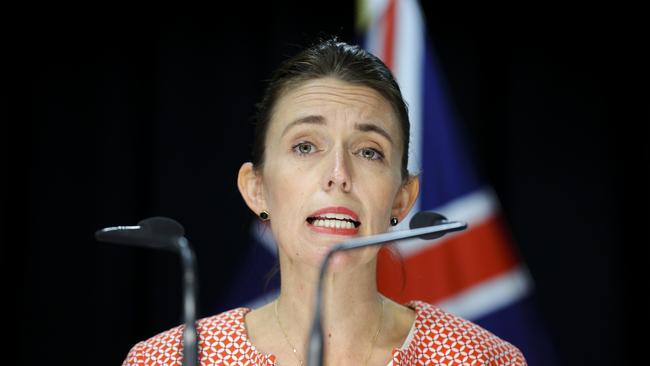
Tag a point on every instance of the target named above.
point(331, 183)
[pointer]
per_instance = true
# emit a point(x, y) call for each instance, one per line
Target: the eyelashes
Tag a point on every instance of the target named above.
point(370, 154)
point(305, 148)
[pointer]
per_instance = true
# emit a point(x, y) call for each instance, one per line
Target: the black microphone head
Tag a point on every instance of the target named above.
point(427, 218)
point(154, 232)
point(163, 226)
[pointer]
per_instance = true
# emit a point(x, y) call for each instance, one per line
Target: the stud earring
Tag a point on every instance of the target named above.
point(264, 215)
point(393, 220)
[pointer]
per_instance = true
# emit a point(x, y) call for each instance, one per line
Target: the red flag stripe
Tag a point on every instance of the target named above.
point(389, 34)
point(440, 271)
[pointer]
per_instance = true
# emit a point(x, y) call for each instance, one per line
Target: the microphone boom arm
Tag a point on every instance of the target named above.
point(315, 355)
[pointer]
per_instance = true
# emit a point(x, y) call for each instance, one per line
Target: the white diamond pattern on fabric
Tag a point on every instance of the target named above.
point(439, 338)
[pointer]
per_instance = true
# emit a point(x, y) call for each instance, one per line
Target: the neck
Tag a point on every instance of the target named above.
point(351, 306)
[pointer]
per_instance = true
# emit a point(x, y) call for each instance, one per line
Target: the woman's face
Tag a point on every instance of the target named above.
point(332, 169)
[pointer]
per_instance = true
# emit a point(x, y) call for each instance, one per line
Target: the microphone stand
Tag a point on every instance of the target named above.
point(190, 336)
point(168, 234)
point(315, 355)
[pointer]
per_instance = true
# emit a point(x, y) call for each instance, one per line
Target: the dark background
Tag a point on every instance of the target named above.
point(114, 115)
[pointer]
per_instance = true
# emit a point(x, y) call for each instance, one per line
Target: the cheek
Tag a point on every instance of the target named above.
point(285, 191)
point(379, 196)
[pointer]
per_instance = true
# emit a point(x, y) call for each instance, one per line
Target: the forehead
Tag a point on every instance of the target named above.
point(334, 98)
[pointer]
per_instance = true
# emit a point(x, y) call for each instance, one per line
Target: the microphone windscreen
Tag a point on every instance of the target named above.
point(154, 232)
point(163, 227)
point(117, 234)
point(427, 218)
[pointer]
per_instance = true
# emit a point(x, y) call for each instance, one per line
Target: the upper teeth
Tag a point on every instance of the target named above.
point(336, 216)
point(334, 224)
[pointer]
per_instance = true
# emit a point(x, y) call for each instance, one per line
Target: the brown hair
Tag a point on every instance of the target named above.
point(330, 58)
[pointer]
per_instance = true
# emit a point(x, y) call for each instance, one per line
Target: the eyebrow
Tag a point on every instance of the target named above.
point(370, 127)
point(320, 120)
point(311, 119)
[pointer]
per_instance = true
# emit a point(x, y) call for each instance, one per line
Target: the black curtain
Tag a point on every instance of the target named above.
point(115, 115)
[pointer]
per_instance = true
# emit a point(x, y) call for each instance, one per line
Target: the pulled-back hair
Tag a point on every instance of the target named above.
point(330, 58)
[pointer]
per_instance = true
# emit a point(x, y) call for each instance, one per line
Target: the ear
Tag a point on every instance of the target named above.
point(405, 198)
point(249, 183)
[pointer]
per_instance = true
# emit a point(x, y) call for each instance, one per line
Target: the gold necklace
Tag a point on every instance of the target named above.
point(374, 339)
point(295, 351)
point(286, 338)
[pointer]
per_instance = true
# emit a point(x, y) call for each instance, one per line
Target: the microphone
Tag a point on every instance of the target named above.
point(167, 234)
point(154, 232)
point(424, 225)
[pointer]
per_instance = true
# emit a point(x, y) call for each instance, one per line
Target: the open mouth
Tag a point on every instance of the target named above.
point(334, 221)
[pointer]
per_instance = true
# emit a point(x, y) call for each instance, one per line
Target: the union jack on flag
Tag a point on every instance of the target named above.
point(475, 273)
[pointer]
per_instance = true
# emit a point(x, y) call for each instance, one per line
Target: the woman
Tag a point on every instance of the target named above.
point(329, 163)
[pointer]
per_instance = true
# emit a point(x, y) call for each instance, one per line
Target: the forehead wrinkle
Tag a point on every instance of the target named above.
point(361, 89)
point(344, 102)
point(346, 97)
point(348, 88)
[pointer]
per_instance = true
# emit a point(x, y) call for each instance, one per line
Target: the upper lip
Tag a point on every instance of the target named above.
point(350, 215)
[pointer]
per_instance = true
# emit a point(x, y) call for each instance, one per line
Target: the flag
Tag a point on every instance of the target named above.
point(476, 273)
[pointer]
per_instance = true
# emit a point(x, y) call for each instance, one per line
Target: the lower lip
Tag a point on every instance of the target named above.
point(333, 230)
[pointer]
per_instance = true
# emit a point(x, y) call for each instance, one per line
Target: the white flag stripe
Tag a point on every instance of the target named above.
point(473, 208)
point(489, 296)
point(408, 48)
point(376, 31)
point(375, 36)
point(408, 62)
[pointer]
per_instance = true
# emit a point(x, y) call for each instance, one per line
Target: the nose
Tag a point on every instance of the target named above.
point(338, 172)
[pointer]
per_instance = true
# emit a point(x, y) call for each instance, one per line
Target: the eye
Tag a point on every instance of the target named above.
point(304, 148)
point(370, 154)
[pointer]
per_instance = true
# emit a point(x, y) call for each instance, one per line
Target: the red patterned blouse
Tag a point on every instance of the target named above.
point(436, 338)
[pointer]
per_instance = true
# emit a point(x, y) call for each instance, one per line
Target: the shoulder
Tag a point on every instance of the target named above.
point(165, 347)
point(439, 331)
